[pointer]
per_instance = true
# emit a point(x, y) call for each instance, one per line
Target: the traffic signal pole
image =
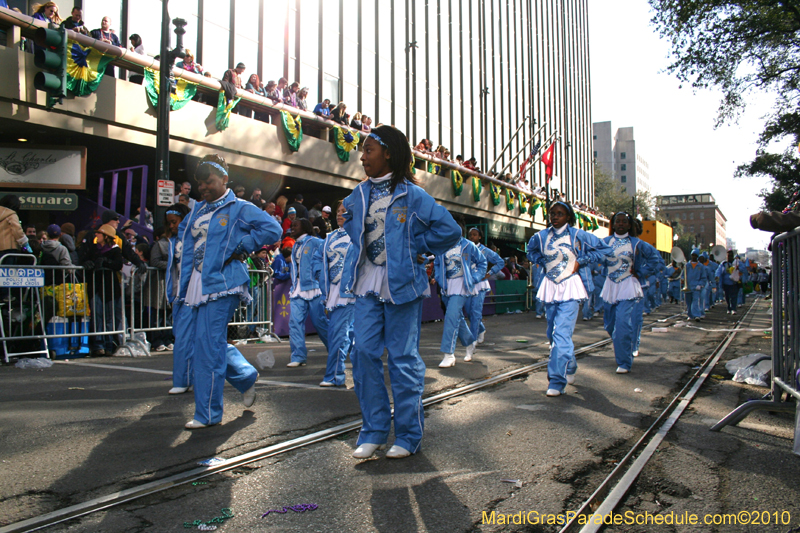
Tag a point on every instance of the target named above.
point(51, 54)
point(165, 88)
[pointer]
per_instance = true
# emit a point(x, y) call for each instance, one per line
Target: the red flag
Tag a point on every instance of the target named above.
point(547, 159)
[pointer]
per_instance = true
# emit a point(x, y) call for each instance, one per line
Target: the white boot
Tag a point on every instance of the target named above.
point(470, 351)
point(448, 361)
point(480, 337)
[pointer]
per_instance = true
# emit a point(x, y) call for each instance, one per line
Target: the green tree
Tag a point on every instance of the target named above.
point(740, 47)
point(611, 196)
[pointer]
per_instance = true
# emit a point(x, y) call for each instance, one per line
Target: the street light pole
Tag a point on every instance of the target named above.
point(165, 88)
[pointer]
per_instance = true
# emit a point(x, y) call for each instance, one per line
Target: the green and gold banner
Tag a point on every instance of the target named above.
point(524, 203)
point(458, 182)
point(85, 68)
point(434, 168)
point(345, 142)
point(510, 197)
point(495, 191)
point(477, 186)
point(184, 90)
point(224, 111)
point(293, 128)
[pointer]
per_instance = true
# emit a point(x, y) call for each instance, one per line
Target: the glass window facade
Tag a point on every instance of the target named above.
point(464, 73)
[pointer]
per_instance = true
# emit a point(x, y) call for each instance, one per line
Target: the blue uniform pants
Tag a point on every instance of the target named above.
point(214, 359)
point(395, 328)
point(182, 358)
point(597, 303)
point(454, 324)
point(588, 307)
point(299, 309)
point(618, 323)
point(474, 308)
point(704, 299)
point(731, 296)
point(561, 317)
point(693, 303)
point(340, 342)
point(675, 290)
point(539, 307)
point(637, 320)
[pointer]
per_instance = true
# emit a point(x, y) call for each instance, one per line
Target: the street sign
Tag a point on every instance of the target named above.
point(46, 201)
point(21, 277)
point(166, 193)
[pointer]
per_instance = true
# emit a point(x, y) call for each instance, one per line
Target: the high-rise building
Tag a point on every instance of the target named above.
point(619, 156)
point(698, 215)
point(463, 73)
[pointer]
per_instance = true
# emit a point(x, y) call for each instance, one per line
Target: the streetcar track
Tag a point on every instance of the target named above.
point(606, 497)
point(123, 496)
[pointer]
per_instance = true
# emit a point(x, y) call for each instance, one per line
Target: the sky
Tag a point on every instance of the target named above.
point(673, 126)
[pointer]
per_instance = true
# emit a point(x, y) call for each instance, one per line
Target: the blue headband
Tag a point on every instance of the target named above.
point(372, 135)
point(215, 165)
point(569, 208)
point(176, 213)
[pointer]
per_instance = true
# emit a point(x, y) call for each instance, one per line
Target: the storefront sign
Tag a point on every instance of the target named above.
point(42, 167)
point(166, 193)
point(506, 231)
point(46, 201)
point(21, 277)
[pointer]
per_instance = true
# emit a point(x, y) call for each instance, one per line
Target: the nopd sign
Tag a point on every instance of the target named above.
point(58, 167)
point(46, 201)
point(21, 277)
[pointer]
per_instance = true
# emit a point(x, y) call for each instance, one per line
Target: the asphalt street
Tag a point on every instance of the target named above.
point(87, 428)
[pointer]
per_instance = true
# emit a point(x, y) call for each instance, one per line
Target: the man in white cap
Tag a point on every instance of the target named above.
point(323, 222)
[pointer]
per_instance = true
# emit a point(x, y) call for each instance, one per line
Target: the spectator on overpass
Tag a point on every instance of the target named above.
point(47, 12)
point(188, 64)
point(75, 22)
point(105, 34)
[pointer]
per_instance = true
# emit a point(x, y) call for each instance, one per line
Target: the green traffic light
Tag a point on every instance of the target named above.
point(44, 81)
point(51, 54)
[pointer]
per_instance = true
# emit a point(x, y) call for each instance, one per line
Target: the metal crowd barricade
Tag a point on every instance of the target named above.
point(255, 318)
point(20, 306)
point(785, 334)
point(151, 314)
point(69, 312)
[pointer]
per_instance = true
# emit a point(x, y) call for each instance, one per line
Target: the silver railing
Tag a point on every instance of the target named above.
point(784, 393)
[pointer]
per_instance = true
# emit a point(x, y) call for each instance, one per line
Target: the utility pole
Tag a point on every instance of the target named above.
point(165, 88)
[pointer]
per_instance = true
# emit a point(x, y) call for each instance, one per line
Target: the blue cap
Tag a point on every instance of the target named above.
point(695, 251)
point(291, 210)
point(704, 255)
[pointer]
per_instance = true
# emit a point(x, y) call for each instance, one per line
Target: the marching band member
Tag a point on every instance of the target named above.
point(563, 250)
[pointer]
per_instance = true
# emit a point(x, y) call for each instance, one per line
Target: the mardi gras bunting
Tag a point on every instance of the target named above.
point(184, 90)
point(434, 168)
point(224, 109)
point(413, 165)
point(458, 182)
point(345, 142)
point(524, 203)
point(292, 127)
point(85, 68)
point(495, 193)
point(595, 225)
point(510, 197)
point(477, 186)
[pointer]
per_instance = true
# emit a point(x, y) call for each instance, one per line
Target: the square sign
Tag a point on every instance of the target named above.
point(21, 277)
point(165, 193)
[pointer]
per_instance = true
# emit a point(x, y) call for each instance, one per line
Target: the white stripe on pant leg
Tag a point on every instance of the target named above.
point(211, 395)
